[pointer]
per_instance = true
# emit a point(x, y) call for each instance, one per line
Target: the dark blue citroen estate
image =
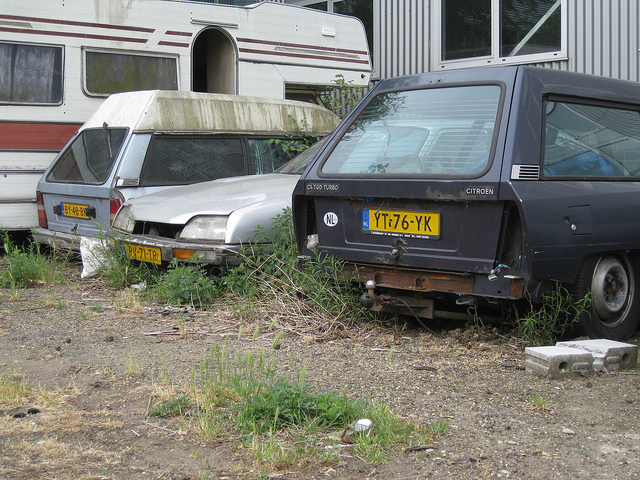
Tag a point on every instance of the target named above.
point(483, 186)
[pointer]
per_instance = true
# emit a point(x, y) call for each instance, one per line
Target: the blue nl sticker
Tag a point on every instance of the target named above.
point(365, 219)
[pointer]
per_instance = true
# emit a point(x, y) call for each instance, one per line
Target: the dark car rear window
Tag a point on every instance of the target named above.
point(436, 131)
point(89, 158)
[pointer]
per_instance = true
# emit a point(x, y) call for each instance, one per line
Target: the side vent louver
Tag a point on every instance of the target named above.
point(525, 172)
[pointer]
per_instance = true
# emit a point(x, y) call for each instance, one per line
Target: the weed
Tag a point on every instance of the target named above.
point(164, 376)
point(271, 268)
point(538, 402)
point(296, 143)
point(171, 407)
point(12, 389)
point(342, 97)
point(282, 405)
point(187, 284)
point(119, 271)
point(25, 266)
point(61, 304)
point(439, 427)
point(547, 322)
point(182, 327)
point(96, 307)
point(133, 368)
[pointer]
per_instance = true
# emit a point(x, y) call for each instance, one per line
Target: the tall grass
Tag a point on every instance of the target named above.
point(31, 264)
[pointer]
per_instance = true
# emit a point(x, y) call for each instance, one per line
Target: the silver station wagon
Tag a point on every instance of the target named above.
point(142, 142)
point(483, 187)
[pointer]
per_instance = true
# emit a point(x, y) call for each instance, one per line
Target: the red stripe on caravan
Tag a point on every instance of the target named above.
point(173, 44)
point(300, 45)
point(302, 55)
point(73, 35)
point(181, 34)
point(78, 24)
point(36, 136)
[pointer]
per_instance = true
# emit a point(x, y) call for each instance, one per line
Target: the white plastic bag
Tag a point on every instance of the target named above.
point(94, 253)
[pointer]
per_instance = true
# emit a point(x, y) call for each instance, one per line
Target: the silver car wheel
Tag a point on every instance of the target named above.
point(612, 286)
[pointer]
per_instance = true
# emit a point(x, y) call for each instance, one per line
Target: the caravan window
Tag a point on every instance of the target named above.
point(109, 72)
point(89, 158)
point(30, 74)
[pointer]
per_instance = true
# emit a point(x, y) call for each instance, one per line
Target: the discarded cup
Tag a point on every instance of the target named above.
point(359, 427)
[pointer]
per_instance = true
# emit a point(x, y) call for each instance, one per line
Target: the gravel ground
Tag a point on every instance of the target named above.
point(102, 354)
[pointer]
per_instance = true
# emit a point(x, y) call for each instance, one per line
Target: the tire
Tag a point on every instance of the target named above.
point(614, 310)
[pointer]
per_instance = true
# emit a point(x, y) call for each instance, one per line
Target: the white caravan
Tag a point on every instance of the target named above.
point(59, 60)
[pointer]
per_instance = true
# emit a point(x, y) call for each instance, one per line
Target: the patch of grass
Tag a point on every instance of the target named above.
point(538, 402)
point(281, 405)
point(29, 265)
point(283, 422)
point(547, 322)
point(171, 407)
point(12, 389)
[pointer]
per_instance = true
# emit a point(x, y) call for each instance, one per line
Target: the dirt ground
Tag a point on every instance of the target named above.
point(104, 358)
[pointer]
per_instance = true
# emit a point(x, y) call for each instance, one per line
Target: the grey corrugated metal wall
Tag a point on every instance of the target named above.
point(602, 38)
point(404, 38)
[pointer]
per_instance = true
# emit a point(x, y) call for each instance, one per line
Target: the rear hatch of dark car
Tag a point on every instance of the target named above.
point(414, 180)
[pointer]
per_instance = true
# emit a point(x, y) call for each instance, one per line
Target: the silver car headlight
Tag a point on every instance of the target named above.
point(212, 227)
point(124, 221)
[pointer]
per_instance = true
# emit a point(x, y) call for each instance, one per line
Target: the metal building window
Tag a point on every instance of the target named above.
point(482, 32)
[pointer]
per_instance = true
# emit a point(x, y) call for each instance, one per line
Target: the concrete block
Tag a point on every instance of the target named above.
point(559, 362)
point(607, 354)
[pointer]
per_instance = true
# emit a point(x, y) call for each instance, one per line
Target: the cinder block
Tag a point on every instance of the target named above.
point(609, 354)
point(559, 362)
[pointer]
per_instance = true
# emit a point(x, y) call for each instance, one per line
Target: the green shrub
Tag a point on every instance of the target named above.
point(187, 284)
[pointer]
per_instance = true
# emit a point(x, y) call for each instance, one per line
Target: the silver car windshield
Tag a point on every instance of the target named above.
point(446, 131)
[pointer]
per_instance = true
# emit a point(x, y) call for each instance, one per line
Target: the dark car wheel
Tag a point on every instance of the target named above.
point(614, 310)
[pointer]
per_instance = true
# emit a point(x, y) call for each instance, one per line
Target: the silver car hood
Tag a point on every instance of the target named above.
point(218, 197)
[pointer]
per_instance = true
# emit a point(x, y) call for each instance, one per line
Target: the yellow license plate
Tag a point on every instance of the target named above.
point(77, 211)
point(143, 254)
point(413, 224)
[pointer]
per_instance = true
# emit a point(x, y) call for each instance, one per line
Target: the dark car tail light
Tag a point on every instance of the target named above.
point(42, 213)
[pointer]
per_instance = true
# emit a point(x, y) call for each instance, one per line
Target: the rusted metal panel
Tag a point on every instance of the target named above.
point(422, 281)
